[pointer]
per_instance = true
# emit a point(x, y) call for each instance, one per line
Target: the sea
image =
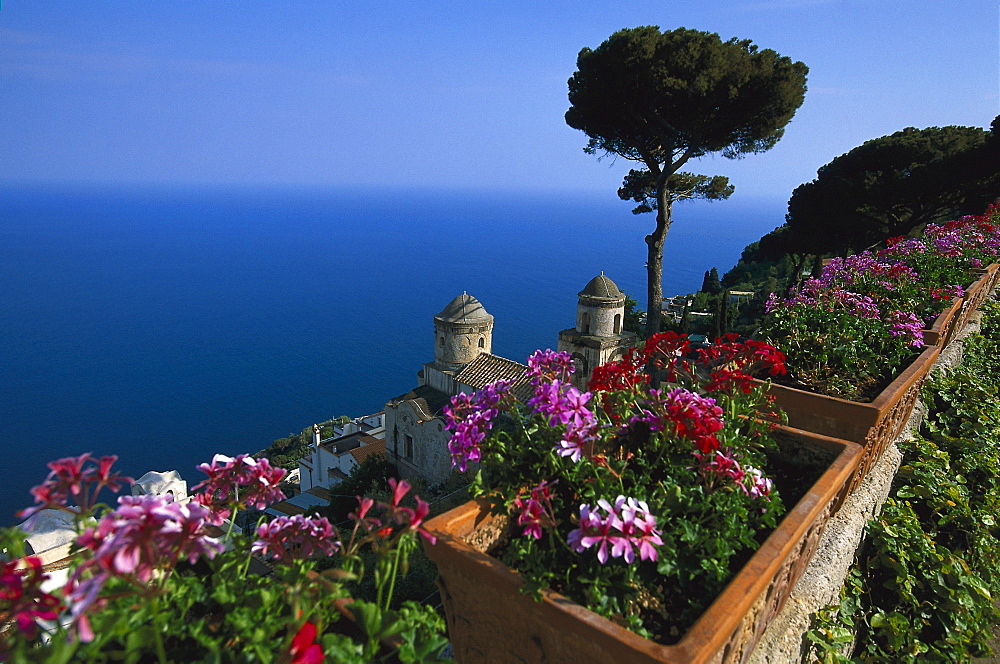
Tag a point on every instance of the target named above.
point(167, 324)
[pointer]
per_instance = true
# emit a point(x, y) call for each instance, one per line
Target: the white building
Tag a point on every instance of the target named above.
point(332, 460)
point(369, 424)
point(156, 483)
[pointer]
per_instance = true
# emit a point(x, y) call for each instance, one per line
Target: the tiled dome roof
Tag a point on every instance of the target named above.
point(464, 307)
point(601, 286)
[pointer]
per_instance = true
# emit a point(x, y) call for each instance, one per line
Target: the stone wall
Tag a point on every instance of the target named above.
point(599, 317)
point(457, 344)
point(430, 457)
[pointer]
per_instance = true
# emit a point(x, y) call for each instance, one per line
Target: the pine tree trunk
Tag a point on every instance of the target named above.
point(654, 266)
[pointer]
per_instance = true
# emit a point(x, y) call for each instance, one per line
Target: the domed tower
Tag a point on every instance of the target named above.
point(598, 336)
point(601, 308)
point(462, 331)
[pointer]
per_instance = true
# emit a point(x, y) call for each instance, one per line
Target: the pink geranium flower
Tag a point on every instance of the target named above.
point(626, 526)
point(470, 417)
point(77, 477)
point(291, 537)
point(239, 481)
point(548, 365)
point(22, 597)
point(536, 510)
point(412, 518)
point(304, 648)
point(144, 535)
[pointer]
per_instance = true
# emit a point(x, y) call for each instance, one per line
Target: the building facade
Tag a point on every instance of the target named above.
point(416, 440)
point(332, 460)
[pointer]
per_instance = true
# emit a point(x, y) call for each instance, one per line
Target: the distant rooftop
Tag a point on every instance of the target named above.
point(372, 447)
point(430, 400)
point(487, 368)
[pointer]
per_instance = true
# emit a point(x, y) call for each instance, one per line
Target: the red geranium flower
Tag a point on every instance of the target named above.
point(304, 648)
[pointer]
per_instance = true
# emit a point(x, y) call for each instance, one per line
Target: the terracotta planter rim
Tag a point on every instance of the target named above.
point(751, 580)
point(937, 334)
point(912, 372)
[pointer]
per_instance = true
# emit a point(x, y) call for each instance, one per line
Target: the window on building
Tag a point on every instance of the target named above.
point(409, 447)
point(585, 323)
point(482, 342)
point(618, 323)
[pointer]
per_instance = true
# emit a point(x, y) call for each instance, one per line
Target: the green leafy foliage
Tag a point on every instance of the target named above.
point(891, 185)
point(368, 478)
point(224, 615)
point(926, 585)
point(664, 98)
point(155, 581)
point(633, 317)
point(286, 452)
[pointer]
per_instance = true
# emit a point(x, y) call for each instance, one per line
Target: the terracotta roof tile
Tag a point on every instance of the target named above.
point(376, 446)
point(487, 368)
point(343, 444)
point(320, 492)
point(287, 508)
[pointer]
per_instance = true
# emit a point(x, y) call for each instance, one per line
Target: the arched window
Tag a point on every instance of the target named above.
point(482, 342)
point(585, 323)
point(441, 341)
point(618, 323)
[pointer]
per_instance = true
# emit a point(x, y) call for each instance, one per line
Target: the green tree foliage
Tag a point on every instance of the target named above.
point(760, 271)
point(286, 452)
point(639, 186)
point(711, 283)
point(633, 317)
point(664, 98)
point(369, 478)
point(791, 263)
point(702, 301)
point(893, 185)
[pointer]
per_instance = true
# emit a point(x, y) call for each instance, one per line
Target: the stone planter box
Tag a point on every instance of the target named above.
point(489, 620)
point(873, 425)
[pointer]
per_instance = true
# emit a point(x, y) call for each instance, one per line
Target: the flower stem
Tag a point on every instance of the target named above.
point(392, 580)
point(246, 563)
point(161, 652)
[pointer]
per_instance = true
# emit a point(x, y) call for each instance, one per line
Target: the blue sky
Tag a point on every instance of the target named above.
point(439, 94)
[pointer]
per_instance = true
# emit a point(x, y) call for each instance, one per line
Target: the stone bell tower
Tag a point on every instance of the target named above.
point(462, 331)
point(598, 336)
